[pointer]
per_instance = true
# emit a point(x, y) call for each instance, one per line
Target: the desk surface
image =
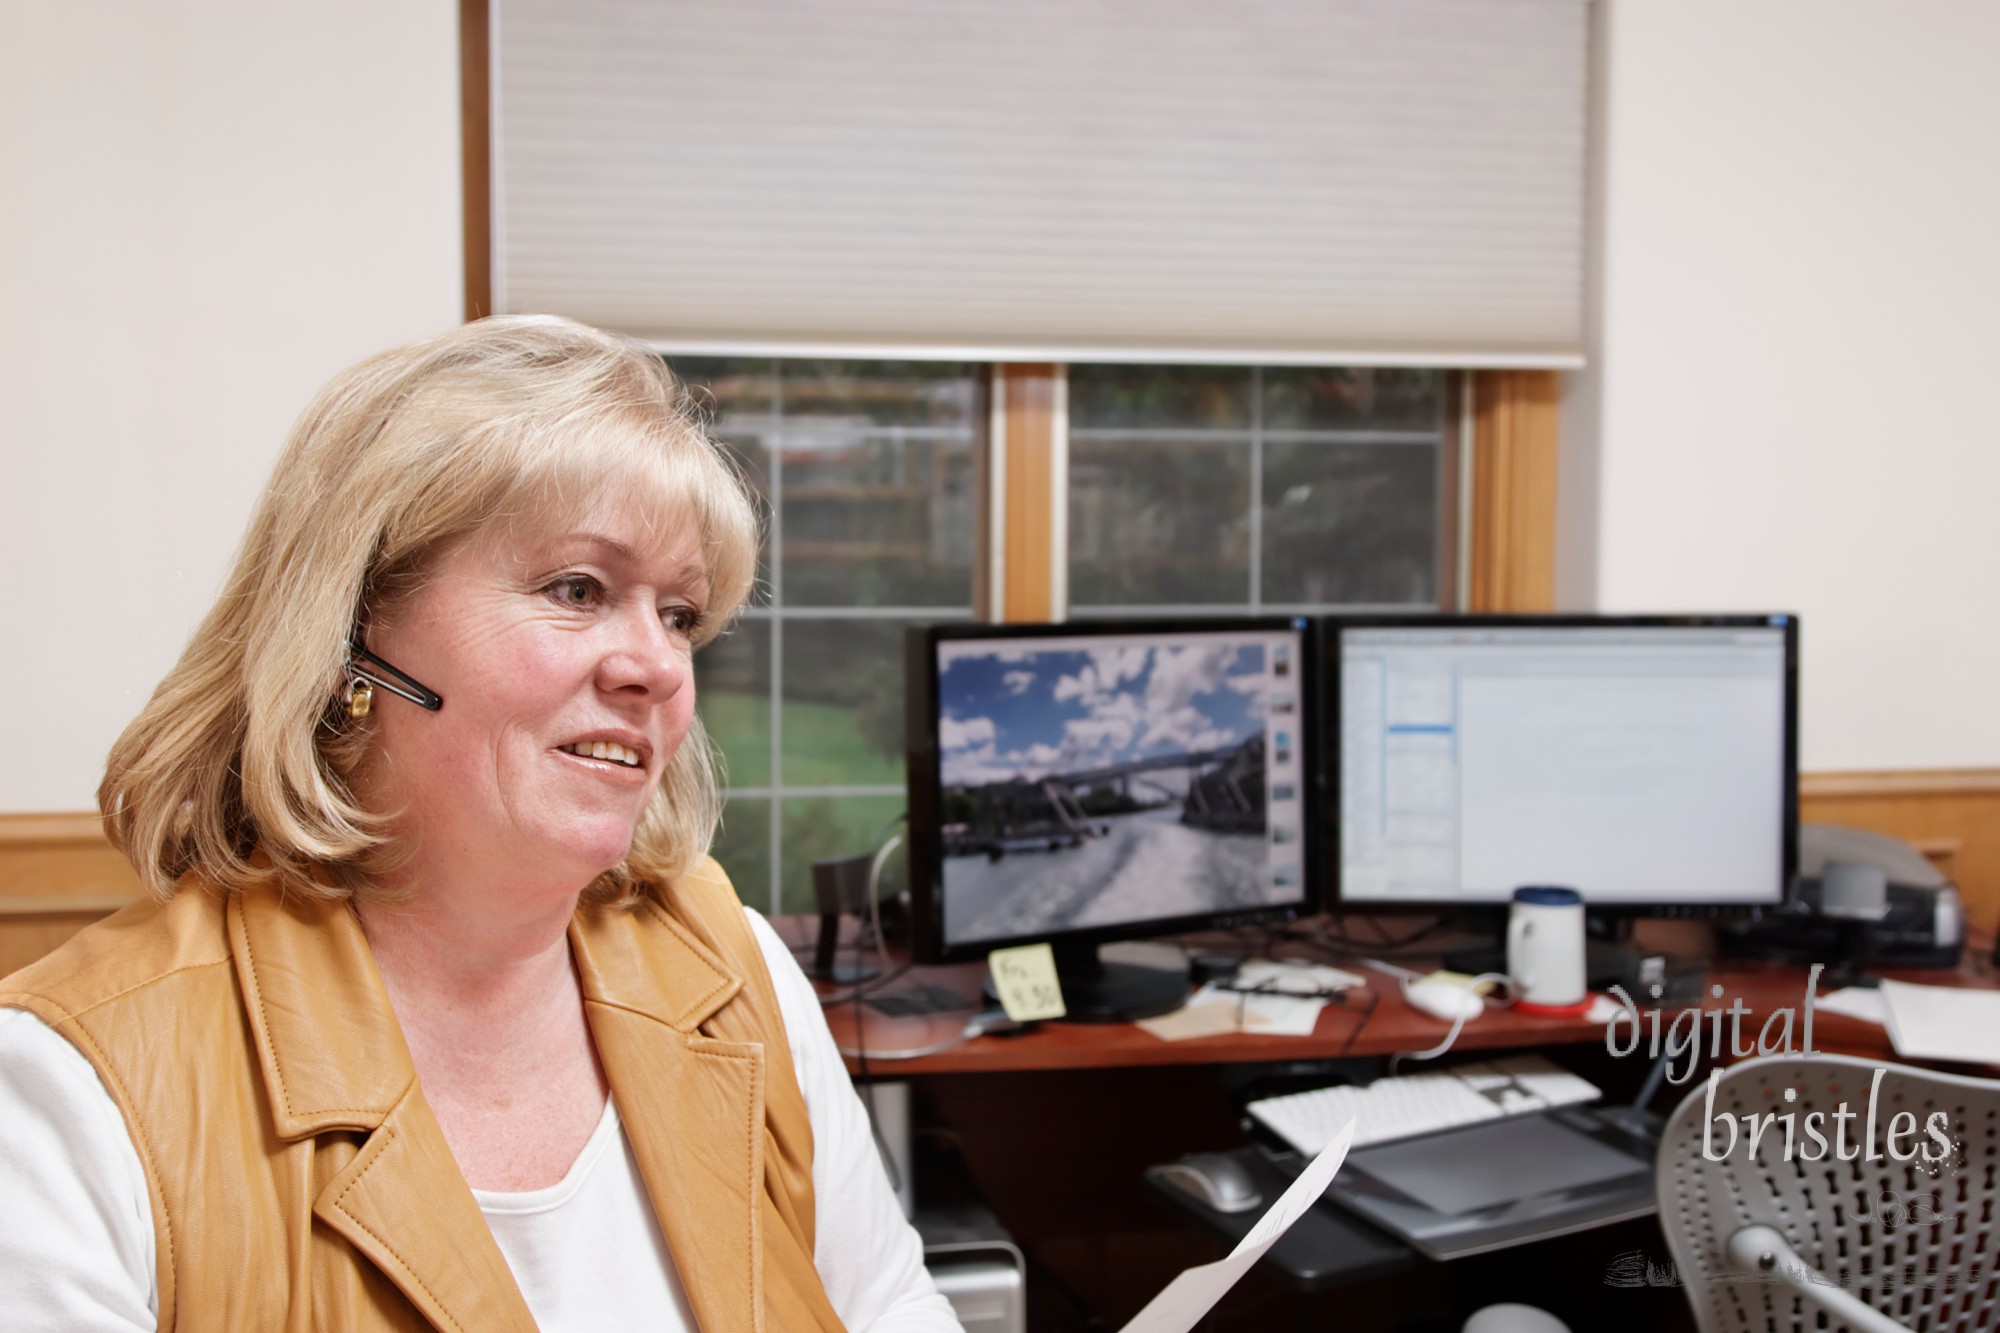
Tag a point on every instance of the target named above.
point(1348, 1029)
point(1058, 1127)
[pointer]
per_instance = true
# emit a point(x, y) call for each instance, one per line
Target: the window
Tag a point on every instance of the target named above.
point(1213, 488)
point(866, 473)
point(1188, 488)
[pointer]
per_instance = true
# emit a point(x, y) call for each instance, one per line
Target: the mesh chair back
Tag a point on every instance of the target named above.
point(1915, 1239)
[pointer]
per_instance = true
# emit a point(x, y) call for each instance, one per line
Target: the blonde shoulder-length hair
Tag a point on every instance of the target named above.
point(237, 771)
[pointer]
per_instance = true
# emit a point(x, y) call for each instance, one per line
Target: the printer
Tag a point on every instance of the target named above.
point(1925, 925)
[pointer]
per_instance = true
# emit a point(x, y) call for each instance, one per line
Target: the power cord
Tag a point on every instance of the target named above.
point(890, 842)
point(979, 1025)
point(882, 854)
point(1367, 1013)
point(1333, 936)
point(1457, 1024)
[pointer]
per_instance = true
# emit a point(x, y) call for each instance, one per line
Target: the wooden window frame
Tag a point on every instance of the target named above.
point(1511, 560)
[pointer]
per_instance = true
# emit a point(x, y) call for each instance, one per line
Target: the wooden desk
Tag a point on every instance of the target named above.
point(1348, 1029)
point(1057, 1126)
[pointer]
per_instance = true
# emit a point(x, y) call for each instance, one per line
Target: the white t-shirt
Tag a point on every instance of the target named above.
point(76, 1221)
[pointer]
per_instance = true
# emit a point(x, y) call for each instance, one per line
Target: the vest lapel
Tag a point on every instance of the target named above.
point(334, 1060)
point(693, 1105)
point(403, 1202)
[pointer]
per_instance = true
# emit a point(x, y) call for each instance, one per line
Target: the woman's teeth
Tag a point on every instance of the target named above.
point(610, 750)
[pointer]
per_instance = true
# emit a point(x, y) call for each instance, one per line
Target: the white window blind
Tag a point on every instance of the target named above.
point(1274, 181)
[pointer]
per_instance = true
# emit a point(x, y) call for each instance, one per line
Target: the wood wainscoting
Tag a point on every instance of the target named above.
point(1950, 815)
point(58, 874)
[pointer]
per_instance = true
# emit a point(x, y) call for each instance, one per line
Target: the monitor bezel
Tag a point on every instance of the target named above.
point(926, 867)
point(1333, 656)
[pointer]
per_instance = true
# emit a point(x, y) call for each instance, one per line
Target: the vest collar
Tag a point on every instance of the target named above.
point(326, 1036)
point(334, 1059)
point(672, 978)
point(693, 1105)
point(332, 1055)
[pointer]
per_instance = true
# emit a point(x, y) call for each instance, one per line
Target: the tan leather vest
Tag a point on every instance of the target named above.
point(299, 1181)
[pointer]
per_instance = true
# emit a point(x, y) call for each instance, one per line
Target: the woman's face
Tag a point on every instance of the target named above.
point(563, 661)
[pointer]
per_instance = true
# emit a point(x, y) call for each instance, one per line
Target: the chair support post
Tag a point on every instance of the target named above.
point(1761, 1249)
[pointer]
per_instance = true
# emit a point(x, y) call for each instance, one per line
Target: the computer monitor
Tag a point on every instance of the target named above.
point(1085, 782)
point(1649, 762)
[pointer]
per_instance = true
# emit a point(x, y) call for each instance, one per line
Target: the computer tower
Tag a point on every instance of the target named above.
point(969, 1254)
point(986, 1283)
point(974, 1263)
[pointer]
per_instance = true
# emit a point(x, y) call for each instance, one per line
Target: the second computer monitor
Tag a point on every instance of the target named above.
point(1648, 762)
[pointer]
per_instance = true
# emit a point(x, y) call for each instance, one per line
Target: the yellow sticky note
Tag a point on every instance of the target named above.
point(1025, 977)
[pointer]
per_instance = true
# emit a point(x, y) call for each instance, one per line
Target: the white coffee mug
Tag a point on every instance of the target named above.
point(1545, 947)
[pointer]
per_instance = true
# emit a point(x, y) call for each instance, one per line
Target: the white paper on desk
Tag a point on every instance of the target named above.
point(1289, 978)
point(1603, 1009)
point(1283, 1015)
point(1860, 1002)
point(1943, 1022)
point(1211, 1011)
point(1194, 1293)
point(1271, 1015)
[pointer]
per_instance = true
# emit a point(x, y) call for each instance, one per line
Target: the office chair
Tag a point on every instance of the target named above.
point(1511, 1318)
point(1776, 1243)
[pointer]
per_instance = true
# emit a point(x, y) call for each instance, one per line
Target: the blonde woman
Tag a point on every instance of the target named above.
point(439, 1015)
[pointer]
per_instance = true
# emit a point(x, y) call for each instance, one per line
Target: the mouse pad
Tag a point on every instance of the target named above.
point(1499, 1162)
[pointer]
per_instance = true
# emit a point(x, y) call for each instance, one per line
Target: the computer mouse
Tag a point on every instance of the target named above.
point(1443, 1000)
point(1213, 1178)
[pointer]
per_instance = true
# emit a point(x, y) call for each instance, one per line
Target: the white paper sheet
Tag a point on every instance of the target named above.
point(1943, 1022)
point(1603, 1009)
point(1863, 1002)
point(1194, 1293)
point(1212, 1011)
point(1296, 978)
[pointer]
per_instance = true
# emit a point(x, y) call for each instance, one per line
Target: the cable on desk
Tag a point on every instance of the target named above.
point(977, 1026)
point(1366, 1014)
point(1384, 940)
point(1457, 1024)
point(1388, 969)
point(891, 840)
point(868, 987)
point(1340, 945)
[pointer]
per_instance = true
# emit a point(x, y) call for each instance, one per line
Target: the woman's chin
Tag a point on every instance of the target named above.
point(592, 851)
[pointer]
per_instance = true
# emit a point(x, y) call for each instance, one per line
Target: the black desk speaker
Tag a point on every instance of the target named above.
point(840, 887)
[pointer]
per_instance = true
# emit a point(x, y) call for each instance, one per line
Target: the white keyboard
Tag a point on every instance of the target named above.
point(1401, 1108)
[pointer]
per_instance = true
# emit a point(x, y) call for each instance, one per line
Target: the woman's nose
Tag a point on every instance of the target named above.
point(646, 657)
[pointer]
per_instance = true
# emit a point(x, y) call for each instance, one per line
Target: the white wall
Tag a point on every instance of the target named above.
point(209, 208)
point(1791, 401)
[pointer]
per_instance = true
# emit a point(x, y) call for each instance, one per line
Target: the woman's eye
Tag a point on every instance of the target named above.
point(576, 590)
point(681, 619)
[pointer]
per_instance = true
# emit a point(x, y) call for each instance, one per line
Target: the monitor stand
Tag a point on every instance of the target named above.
point(1095, 991)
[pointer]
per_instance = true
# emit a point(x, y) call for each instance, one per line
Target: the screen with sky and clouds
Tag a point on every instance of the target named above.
point(1108, 779)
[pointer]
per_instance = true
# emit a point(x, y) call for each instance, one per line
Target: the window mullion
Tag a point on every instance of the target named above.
point(775, 454)
point(1033, 438)
point(1256, 525)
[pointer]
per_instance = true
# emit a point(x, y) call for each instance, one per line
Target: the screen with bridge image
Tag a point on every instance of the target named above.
point(1094, 781)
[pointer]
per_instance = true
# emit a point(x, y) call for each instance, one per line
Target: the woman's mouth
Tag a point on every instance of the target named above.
point(610, 751)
